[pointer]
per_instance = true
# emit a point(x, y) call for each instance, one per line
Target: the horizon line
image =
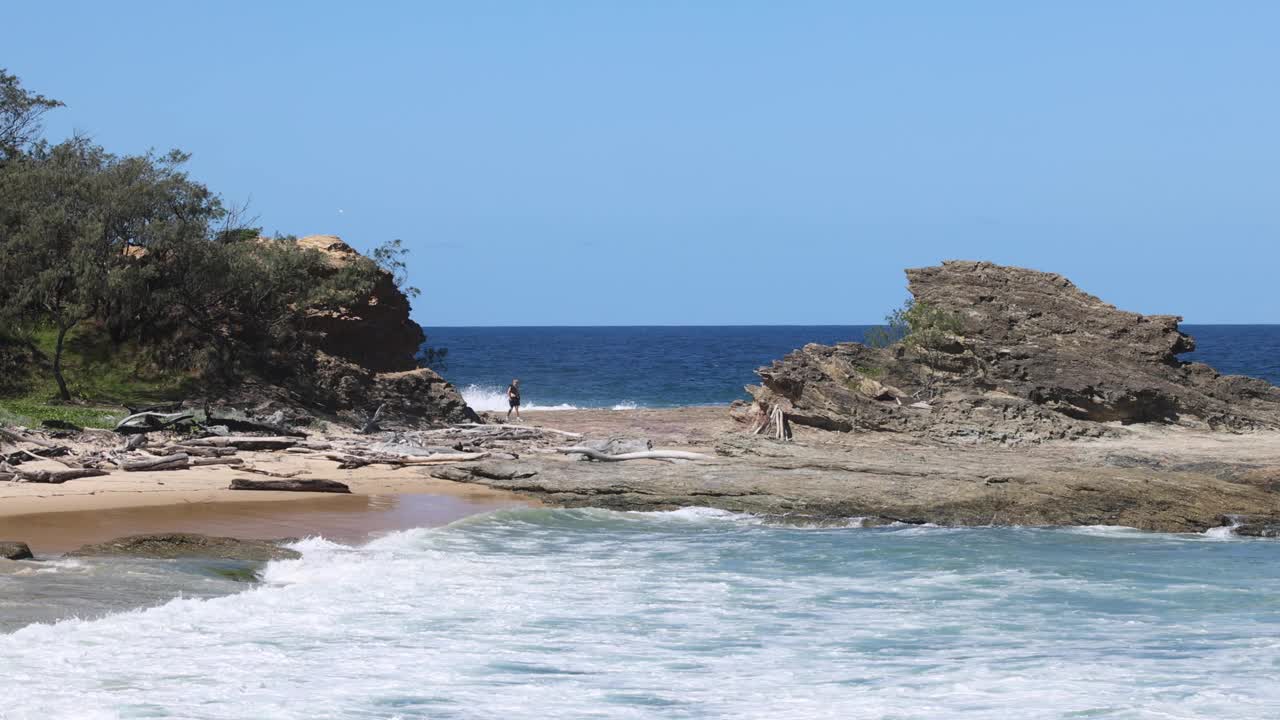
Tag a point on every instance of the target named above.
point(780, 325)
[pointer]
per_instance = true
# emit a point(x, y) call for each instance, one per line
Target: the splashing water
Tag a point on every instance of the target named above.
point(540, 613)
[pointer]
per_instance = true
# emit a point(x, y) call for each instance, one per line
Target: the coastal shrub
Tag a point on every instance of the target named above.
point(916, 324)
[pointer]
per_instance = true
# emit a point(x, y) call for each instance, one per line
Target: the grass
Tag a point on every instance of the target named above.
point(101, 377)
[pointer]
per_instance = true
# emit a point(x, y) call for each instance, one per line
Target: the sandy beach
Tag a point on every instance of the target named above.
point(58, 518)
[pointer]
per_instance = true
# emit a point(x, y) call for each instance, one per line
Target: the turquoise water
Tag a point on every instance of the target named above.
point(539, 613)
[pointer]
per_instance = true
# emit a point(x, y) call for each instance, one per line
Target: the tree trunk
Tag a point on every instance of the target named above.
point(57, 363)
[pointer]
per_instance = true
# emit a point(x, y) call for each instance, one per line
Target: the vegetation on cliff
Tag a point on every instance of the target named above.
point(124, 279)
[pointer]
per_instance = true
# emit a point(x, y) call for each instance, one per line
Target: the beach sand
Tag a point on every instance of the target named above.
point(58, 518)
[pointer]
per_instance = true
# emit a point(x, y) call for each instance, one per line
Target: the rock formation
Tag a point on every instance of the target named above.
point(190, 545)
point(375, 333)
point(1023, 356)
point(366, 354)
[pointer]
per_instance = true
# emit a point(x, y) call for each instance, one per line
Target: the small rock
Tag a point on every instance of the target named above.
point(13, 550)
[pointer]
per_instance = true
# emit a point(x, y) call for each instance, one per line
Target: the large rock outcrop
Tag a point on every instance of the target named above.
point(1022, 356)
point(367, 354)
point(375, 333)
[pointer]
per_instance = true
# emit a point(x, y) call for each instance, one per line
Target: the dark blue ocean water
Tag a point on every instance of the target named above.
point(671, 366)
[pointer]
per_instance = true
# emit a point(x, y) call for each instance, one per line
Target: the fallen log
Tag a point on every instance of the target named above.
point(205, 461)
point(180, 461)
point(14, 436)
point(330, 486)
point(348, 462)
point(244, 442)
point(145, 422)
point(647, 455)
point(197, 451)
point(57, 477)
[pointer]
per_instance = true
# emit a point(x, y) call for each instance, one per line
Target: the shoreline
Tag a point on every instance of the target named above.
point(1166, 478)
point(60, 518)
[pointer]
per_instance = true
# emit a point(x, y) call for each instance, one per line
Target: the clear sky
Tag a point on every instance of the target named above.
point(709, 162)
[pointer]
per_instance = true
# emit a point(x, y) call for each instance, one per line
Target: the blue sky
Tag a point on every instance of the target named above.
point(711, 162)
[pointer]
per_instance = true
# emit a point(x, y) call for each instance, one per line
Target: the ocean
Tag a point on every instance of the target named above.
point(695, 613)
point(629, 367)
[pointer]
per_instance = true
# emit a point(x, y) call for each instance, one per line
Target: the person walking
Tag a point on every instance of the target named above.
point(513, 399)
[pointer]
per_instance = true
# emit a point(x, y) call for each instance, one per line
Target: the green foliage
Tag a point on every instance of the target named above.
point(31, 412)
point(390, 256)
point(238, 235)
point(916, 324)
point(20, 113)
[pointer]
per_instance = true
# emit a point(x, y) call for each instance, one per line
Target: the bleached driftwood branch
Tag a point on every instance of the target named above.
point(145, 422)
point(646, 455)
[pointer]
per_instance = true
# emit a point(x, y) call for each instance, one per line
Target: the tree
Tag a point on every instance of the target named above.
point(20, 114)
point(916, 324)
point(390, 256)
point(54, 263)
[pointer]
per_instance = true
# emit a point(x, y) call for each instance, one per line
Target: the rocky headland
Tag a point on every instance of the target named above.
point(364, 357)
point(1010, 397)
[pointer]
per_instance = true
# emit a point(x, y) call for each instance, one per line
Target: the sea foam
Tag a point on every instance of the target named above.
point(693, 614)
point(487, 398)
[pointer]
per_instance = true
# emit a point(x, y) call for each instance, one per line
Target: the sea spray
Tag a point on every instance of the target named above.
point(536, 613)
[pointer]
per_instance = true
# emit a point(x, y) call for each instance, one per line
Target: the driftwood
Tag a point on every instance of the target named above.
point(330, 486)
point(14, 436)
point(270, 473)
point(202, 462)
point(372, 425)
point(145, 422)
point(619, 445)
point(347, 461)
point(179, 461)
point(536, 428)
point(197, 451)
point(647, 455)
point(244, 442)
point(55, 477)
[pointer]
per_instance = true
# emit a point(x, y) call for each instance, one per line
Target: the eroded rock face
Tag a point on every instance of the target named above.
point(1033, 358)
point(377, 333)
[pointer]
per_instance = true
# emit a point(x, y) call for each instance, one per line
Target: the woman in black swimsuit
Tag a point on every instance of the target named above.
point(513, 397)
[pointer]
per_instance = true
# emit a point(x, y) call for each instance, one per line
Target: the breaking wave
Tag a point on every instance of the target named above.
point(489, 398)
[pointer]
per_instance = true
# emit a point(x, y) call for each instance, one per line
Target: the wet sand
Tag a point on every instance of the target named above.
point(342, 518)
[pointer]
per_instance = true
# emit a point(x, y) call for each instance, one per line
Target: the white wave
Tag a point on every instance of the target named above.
point(496, 619)
point(489, 398)
point(483, 398)
point(1225, 532)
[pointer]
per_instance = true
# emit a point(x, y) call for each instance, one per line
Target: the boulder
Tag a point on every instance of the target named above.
point(1026, 356)
point(13, 550)
point(190, 545)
